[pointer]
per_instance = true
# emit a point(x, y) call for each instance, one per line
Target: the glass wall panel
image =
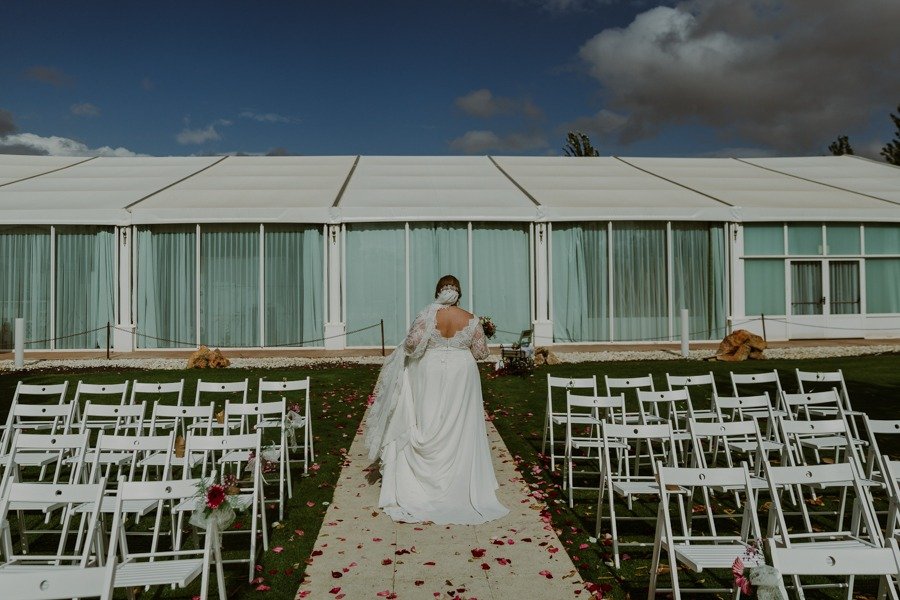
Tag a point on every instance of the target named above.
point(882, 239)
point(699, 278)
point(580, 282)
point(842, 239)
point(882, 291)
point(806, 288)
point(805, 239)
point(764, 239)
point(764, 286)
point(25, 284)
point(376, 283)
point(436, 249)
point(844, 287)
point(85, 285)
point(501, 280)
point(166, 286)
point(229, 285)
point(294, 294)
point(640, 310)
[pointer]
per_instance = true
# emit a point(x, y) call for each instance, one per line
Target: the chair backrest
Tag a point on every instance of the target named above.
point(613, 406)
point(680, 381)
point(726, 431)
point(634, 436)
point(54, 418)
point(156, 390)
point(819, 380)
point(797, 404)
point(652, 403)
point(283, 385)
point(124, 417)
point(53, 583)
point(71, 445)
point(57, 390)
point(183, 416)
point(138, 446)
point(109, 390)
point(834, 560)
point(255, 411)
point(793, 432)
point(627, 383)
point(736, 406)
point(756, 379)
point(209, 444)
point(588, 384)
point(284, 389)
point(221, 387)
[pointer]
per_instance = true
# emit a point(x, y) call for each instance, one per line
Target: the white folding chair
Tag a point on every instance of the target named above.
point(707, 550)
point(554, 418)
point(146, 392)
point(811, 381)
point(239, 447)
point(178, 567)
point(299, 415)
point(695, 382)
point(23, 394)
point(624, 480)
point(848, 562)
point(621, 385)
point(587, 414)
point(802, 406)
point(25, 498)
point(754, 384)
point(114, 393)
point(115, 419)
point(180, 419)
point(211, 391)
point(51, 419)
point(251, 416)
point(52, 583)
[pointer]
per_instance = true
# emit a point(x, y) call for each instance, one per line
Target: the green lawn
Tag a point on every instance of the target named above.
point(516, 405)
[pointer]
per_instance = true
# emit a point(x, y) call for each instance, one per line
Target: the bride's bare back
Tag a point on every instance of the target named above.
point(450, 320)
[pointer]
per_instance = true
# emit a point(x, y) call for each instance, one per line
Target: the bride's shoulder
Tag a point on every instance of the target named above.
point(462, 313)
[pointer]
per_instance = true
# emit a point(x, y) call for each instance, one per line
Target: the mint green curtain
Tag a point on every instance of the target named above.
point(294, 295)
point(842, 239)
point(882, 239)
point(501, 280)
point(376, 283)
point(25, 283)
point(805, 239)
point(806, 288)
point(764, 286)
point(85, 285)
point(640, 307)
point(763, 239)
point(229, 285)
point(882, 290)
point(435, 250)
point(166, 285)
point(580, 282)
point(698, 252)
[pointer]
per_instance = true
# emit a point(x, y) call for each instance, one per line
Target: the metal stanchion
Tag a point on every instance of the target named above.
point(20, 343)
point(685, 333)
point(382, 337)
point(108, 336)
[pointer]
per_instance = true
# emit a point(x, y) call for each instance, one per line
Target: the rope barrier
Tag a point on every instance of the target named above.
point(64, 337)
point(300, 343)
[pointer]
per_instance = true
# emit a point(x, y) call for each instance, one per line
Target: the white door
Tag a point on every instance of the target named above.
point(825, 299)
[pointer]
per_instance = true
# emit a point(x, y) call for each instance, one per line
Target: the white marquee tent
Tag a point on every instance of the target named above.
point(318, 250)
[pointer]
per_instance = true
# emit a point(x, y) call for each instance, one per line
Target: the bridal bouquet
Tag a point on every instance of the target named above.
point(217, 502)
point(490, 330)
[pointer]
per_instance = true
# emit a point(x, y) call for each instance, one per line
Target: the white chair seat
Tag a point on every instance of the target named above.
point(235, 456)
point(44, 506)
point(159, 572)
point(719, 556)
point(108, 506)
point(576, 420)
point(597, 444)
point(159, 460)
point(33, 459)
point(106, 458)
point(748, 446)
point(826, 442)
point(634, 488)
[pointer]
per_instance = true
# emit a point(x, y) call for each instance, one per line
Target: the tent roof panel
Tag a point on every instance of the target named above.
point(14, 167)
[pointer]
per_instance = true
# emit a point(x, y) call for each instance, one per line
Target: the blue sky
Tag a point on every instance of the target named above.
point(702, 77)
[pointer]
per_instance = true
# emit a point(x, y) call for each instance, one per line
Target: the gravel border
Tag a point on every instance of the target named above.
point(806, 352)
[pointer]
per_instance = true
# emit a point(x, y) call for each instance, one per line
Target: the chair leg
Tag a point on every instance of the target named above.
point(654, 561)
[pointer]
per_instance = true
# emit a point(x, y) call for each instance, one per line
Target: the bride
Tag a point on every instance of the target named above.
point(427, 422)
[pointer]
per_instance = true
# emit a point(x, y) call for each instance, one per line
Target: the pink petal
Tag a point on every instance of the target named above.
point(277, 549)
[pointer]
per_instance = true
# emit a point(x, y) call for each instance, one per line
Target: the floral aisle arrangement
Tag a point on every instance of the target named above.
point(755, 579)
point(218, 502)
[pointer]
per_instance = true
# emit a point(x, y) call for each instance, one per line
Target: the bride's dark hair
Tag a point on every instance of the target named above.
point(444, 282)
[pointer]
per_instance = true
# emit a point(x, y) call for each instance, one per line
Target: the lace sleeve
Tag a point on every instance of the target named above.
point(479, 343)
point(416, 333)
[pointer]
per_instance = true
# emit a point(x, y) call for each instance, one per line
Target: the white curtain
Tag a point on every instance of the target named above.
point(435, 250)
point(806, 288)
point(844, 282)
point(376, 283)
point(229, 285)
point(579, 282)
point(294, 310)
point(699, 278)
point(502, 284)
point(25, 283)
point(85, 285)
point(640, 307)
point(166, 285)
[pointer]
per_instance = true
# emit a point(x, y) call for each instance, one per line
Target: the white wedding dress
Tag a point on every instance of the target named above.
point(427, 426)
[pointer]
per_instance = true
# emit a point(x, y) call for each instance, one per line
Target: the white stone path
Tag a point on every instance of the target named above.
point(361, 553)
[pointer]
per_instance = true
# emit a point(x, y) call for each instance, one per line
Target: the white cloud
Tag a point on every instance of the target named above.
point(267, 117)
point(481, 141)
point(85, 109)
point(484, 104)
point(201, 135)
point(29, 143)
point(603, 124)
point(788, 74)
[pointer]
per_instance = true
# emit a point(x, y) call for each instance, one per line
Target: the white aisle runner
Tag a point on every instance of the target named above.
point(361, 553)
